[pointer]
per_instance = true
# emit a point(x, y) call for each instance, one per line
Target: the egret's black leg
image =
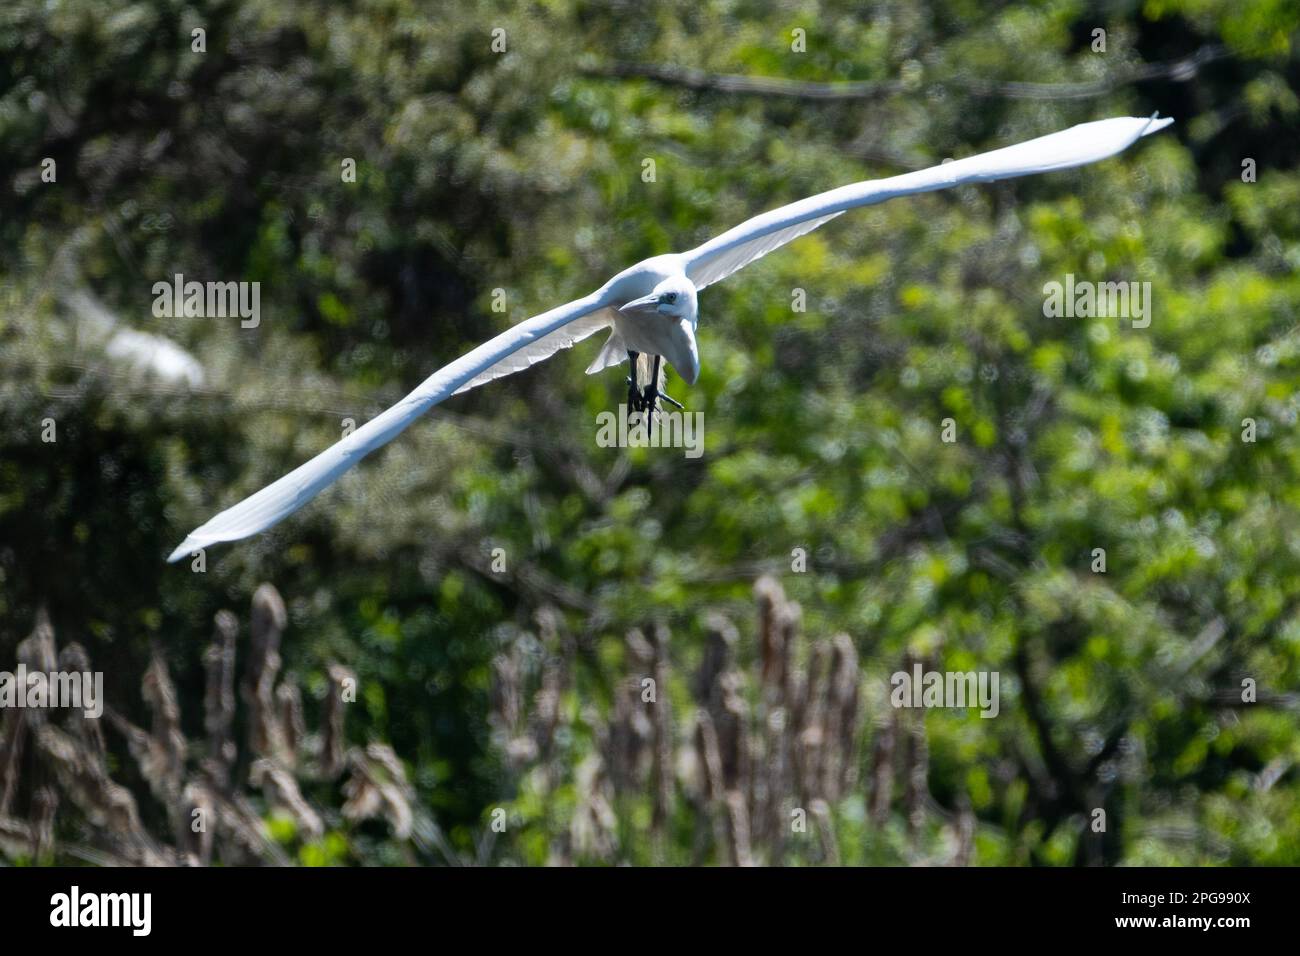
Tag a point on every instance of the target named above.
point(633, 396)
point(651, 397)
point(652, 393)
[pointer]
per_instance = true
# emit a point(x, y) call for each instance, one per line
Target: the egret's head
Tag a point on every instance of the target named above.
point(675, 297)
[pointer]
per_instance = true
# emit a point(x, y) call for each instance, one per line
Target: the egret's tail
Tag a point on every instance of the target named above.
point(645, 367)
point(614, 352)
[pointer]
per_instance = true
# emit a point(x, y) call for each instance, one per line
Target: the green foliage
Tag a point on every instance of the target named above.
point(522, 171)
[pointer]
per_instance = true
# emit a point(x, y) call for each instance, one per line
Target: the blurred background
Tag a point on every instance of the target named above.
point(444, 659)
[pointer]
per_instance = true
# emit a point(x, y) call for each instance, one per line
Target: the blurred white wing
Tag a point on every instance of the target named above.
point(562, 338)
point(754, 238)
point(517, 348)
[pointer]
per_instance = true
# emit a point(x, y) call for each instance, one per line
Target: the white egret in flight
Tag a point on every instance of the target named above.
point(651, 310)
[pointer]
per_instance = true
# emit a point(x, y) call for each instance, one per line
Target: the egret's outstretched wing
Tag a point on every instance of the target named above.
point(1077, 146)
point(516, 348)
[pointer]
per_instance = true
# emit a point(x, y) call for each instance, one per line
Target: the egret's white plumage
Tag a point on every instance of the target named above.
point(651, 308)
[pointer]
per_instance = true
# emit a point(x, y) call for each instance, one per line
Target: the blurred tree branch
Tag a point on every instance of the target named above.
point(1178, 71)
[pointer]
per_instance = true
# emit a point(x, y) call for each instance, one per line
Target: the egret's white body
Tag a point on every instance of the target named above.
point(652, 332)
point(652, 308)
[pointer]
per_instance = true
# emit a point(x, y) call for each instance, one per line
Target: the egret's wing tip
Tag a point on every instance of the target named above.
point(1156, 123)
point(183, 550)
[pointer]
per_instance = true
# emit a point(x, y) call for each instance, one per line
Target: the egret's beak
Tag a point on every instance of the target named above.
point(647, 303)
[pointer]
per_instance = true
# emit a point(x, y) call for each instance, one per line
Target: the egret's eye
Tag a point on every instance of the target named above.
point(670, 296)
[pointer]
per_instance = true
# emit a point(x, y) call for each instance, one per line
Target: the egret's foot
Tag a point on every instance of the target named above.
point(652, 396)
point(652, 393)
